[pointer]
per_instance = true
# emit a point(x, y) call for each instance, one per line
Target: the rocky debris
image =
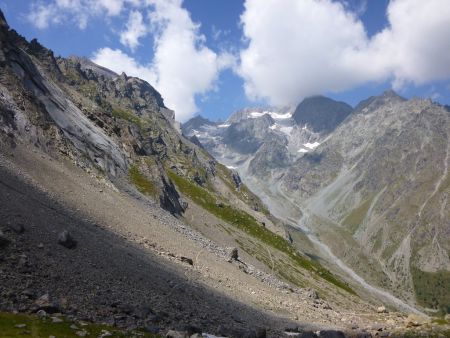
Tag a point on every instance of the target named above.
point(20, 326)
point(4, 241)
point(233, 254)
point(381, 309)
point(447, 317)
point(66, 240)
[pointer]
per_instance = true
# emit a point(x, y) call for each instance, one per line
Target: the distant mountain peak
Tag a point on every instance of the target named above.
point(321, 113)
point(388, 96)
point(3, 22)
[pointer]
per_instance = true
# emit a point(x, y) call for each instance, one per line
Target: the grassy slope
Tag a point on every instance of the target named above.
point(432, 289)
point(39, 328)
point(251, 226)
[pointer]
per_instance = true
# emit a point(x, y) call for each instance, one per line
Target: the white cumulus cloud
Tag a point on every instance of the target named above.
point(182, 66)
point(301, 48)
point(43, 14)
point(135, 29)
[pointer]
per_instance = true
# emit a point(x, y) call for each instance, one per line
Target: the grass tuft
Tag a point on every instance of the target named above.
point(127, 116)
point(144, 185)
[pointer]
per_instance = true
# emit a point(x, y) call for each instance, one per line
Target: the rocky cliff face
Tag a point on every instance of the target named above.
point(115, 124)
point(373, 182)
point(321, 114)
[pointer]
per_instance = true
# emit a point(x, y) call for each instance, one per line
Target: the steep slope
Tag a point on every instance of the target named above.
point(107, 149)
point(382, 177)
point(370, 183)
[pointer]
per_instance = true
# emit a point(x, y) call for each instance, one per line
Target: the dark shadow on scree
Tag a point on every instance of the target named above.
point(105, 278)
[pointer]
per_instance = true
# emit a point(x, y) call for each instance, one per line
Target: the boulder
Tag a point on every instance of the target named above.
point(233, 254)
point(187, 260)
point(381, 309)
point(66, 240)
point(331, 334)
point(47, 304)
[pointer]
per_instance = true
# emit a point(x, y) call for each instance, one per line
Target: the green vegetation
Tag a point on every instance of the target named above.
point(432, 289)
point(357, 215)
point(250, 226)
point(243, 193)
point(127, 116)
point(38, 328)
point(144, 185)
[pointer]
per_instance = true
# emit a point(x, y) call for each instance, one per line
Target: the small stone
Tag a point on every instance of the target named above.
point(73, 327)
point(56, 320)
point(311, 293)
point(20, 326)
point(66, 240)
point(177, 334)
point(187, 260)
point(41, 245)
point(81, 333)
point(381, 309)
point(41, 314)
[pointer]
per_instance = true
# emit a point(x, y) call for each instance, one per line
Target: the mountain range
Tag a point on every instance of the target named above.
point(278, 222)
point(371, 182)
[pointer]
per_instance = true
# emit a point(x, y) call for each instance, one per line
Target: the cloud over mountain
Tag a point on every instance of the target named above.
point(182, 66)
point(301, 48)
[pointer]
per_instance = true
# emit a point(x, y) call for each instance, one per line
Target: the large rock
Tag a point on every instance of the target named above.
point(66, 240)
point(381, 309)
point(233, 254)
point(47, 304)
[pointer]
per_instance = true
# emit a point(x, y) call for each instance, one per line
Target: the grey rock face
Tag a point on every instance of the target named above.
point(321, 114)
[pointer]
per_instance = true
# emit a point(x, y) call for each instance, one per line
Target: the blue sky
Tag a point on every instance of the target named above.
point(253, 72)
